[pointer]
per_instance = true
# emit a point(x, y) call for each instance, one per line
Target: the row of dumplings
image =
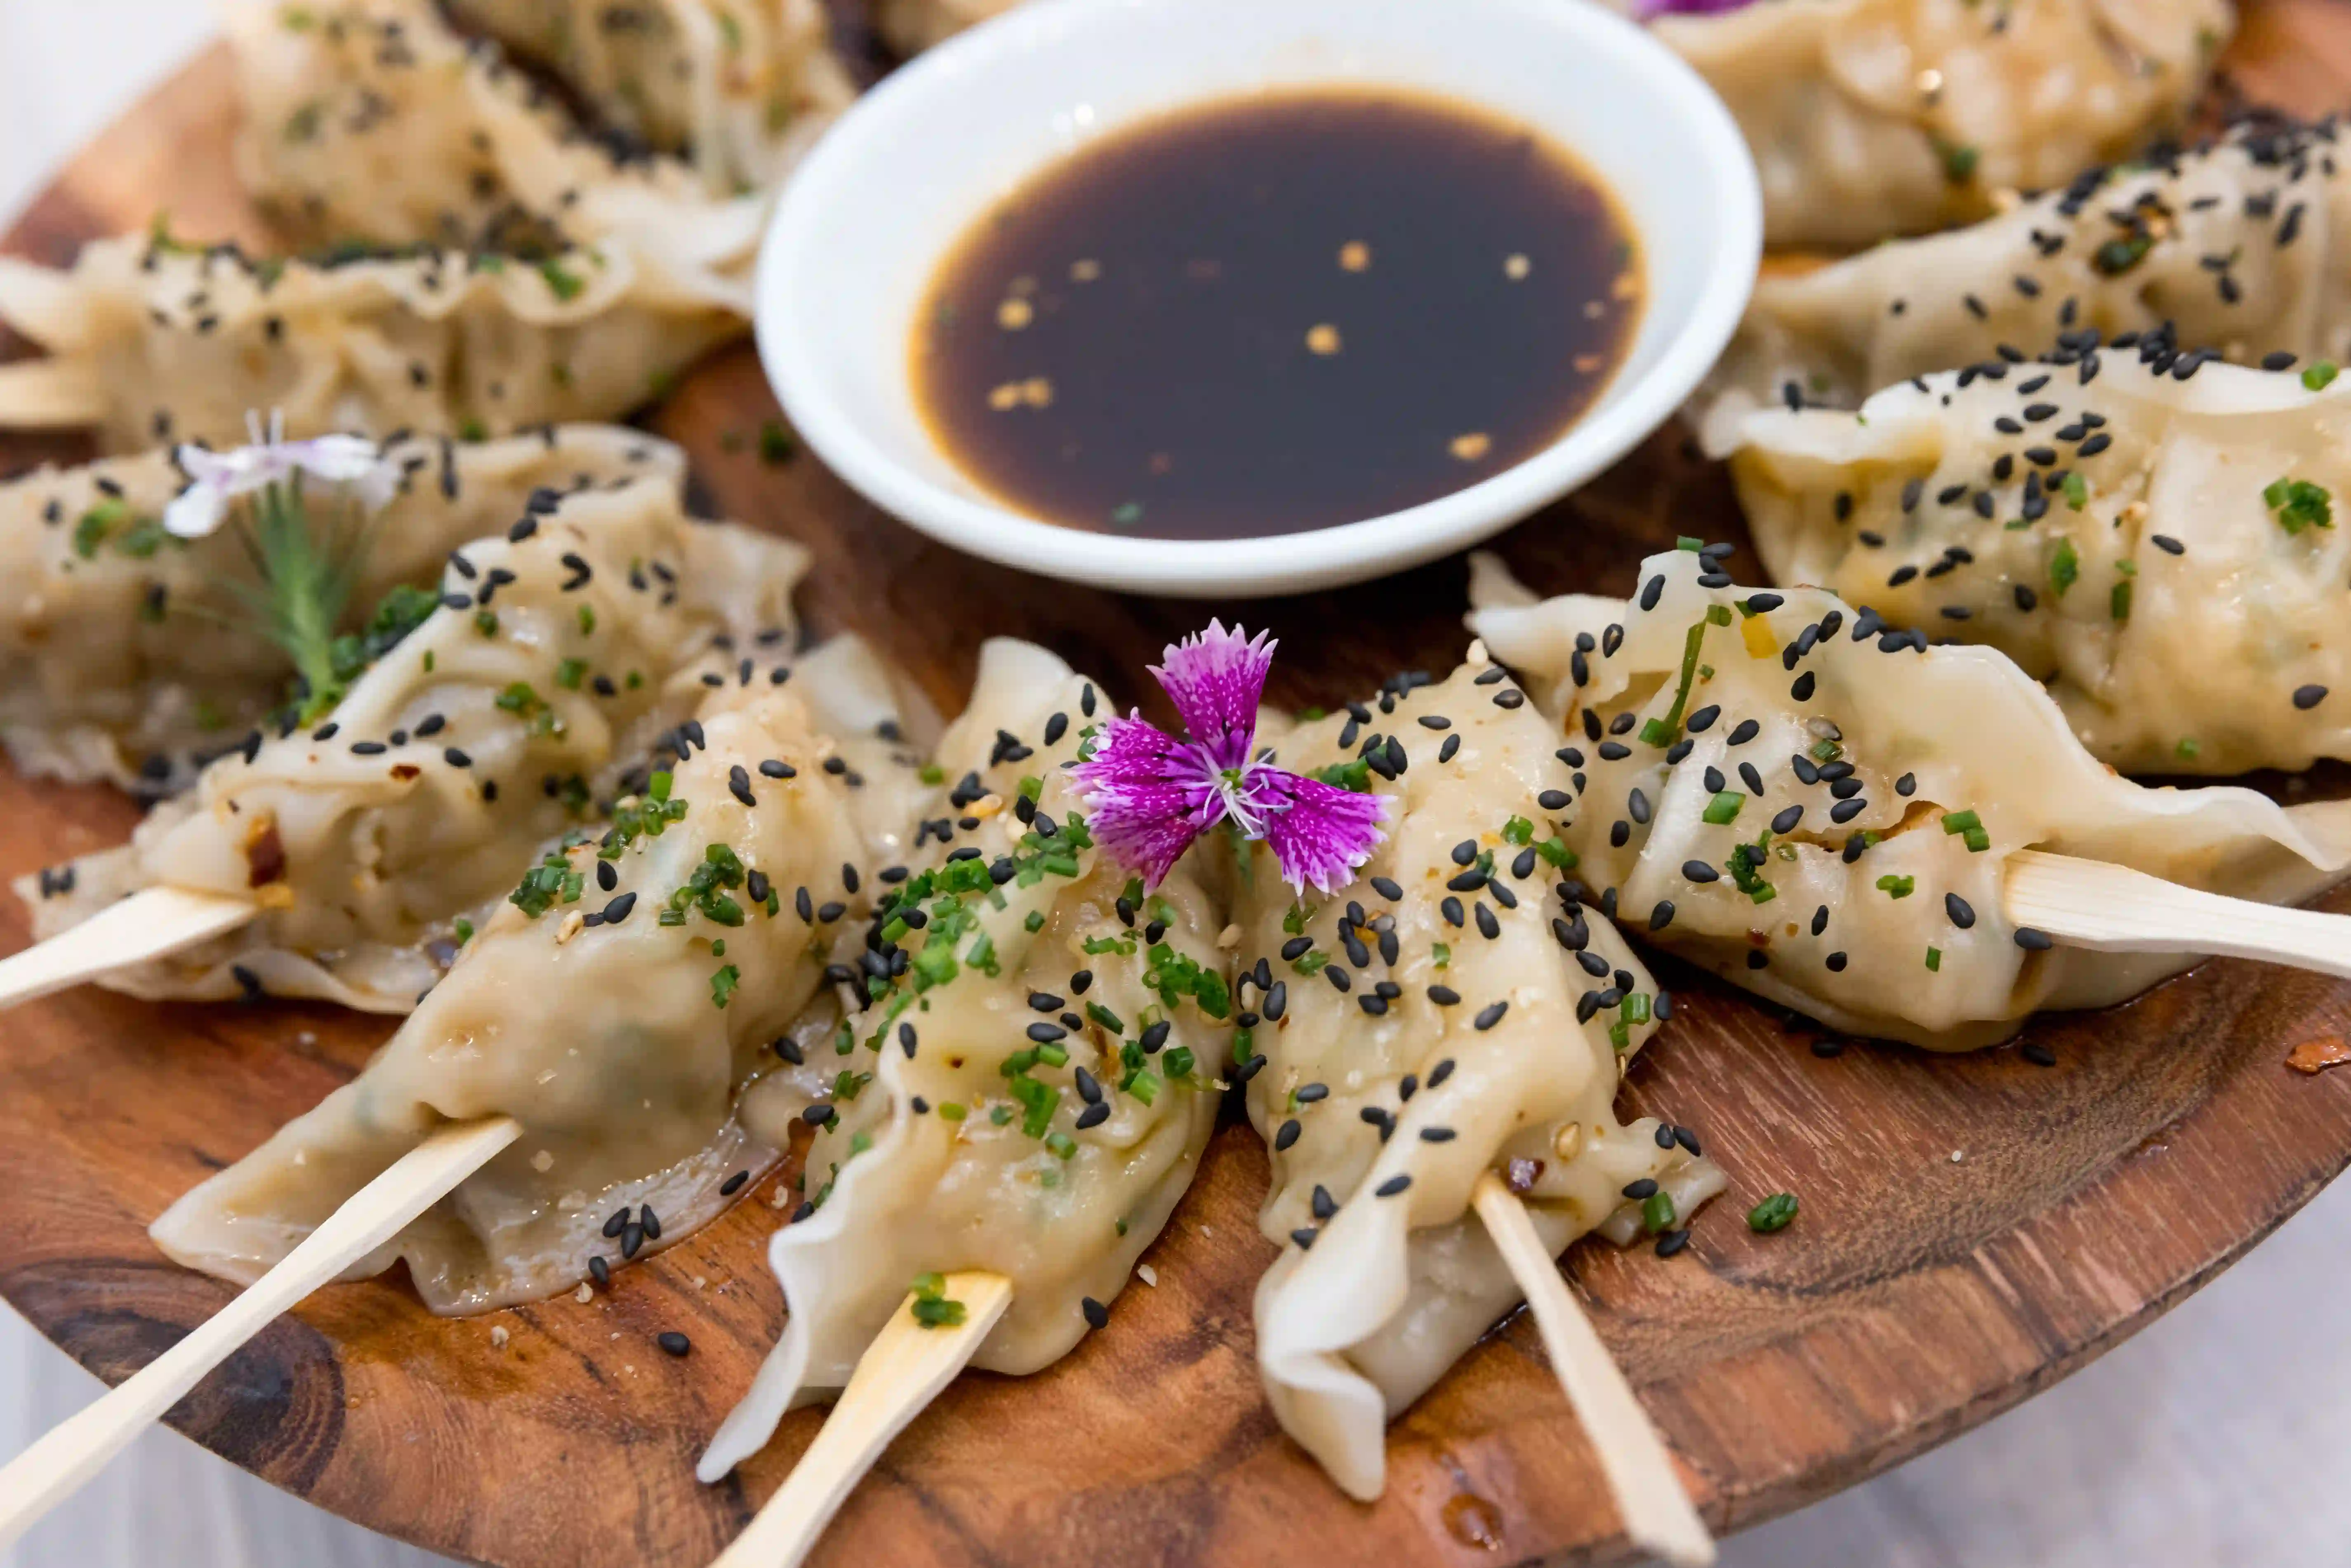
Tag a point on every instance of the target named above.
point(583, 793)
point(657, 885)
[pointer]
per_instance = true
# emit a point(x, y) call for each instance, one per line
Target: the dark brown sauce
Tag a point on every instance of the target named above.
point(1276, 313)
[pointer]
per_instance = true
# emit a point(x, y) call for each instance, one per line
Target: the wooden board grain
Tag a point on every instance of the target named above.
point(1972, 1229)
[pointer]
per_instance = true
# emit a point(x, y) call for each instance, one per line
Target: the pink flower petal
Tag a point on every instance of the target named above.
point(1148, 795)
point(1216, 678)
point(1318, 833)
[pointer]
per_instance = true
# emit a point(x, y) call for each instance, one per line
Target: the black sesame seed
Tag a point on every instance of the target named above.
point(1391, 1186)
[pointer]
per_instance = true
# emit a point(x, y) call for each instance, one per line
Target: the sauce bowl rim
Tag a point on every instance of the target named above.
point(799, 365)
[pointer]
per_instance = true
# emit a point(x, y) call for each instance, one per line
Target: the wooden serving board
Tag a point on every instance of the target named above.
point(1972, 1229)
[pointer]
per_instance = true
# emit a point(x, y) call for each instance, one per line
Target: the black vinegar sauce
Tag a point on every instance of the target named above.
point(1276, 313)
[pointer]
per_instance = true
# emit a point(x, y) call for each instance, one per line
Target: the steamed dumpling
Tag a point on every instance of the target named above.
point(2243, 248)
point(1449, 995)
point(2165, 553)
point(124, 654)
point(152, 341)
point(1871, 118)
point(556, 663)
point(739, 86)
point(372, 120)
point(1821, 811)
point(1029, 1093)
point(618, 1037)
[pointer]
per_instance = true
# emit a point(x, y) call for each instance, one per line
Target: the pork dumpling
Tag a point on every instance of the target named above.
point(372, 120)
point(1443, 1015)
point(153, 342)
point(2231, 249)
point(741, 88)
point(124, 654)
point(559, 656)
point(913, 25)
point(2163, 552)
point(596, 1009)
point(1028, 1091)
point(1871, 118)
point(1774, 786)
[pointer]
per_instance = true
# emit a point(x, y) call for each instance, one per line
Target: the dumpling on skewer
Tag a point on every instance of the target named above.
point(1440, 1015)
point(740, 87)
point(1871, 118)
point(615, 1005)
point(372, 120)
point(372, 840)
point(152, 341)
point(2239, 248)
point(1821, 810)
point(1032, 1078)
point(124, 651)
point(2163, 551)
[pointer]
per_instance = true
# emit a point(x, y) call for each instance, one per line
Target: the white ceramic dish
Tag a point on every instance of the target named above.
point(868, 217)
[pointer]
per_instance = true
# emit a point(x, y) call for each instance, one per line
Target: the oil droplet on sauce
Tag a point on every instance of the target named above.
point(1274, 313)
point(1473, 1522)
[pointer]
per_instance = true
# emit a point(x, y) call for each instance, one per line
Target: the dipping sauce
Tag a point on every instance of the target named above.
point(1275, 313)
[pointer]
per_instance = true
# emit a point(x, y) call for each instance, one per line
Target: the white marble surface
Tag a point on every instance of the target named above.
point(2212, 1438)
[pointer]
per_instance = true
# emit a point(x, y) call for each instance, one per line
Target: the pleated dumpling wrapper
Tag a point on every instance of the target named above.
point(1443, 1015)
point(554, 665)
point(740, 87)
point(1770, 785)
point(2164, 552)
point(1872, 118)
point(600, 1013)
point(2241, 247)
point(374, 121)
point(977, 1126)
point(125, 651)
point(151, 342)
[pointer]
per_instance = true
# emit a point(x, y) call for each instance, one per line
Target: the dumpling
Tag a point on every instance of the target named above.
point(1773, 785)
point(556, 663)
point(740, 87)
point(152, 341)
point(1442, 1016)
point(1871, 118)
point(125, 656)
point(975, 1126)
point(2163, 552)
point(615, 1016)
point(2234, 245)
point(912, 26)
point(372, 120)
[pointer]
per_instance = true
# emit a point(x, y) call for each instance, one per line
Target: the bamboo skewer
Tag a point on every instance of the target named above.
point(2114, 909)
point(903, 1369)
point(1656, 1512)
point(149, 924)
point(77, 1449)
